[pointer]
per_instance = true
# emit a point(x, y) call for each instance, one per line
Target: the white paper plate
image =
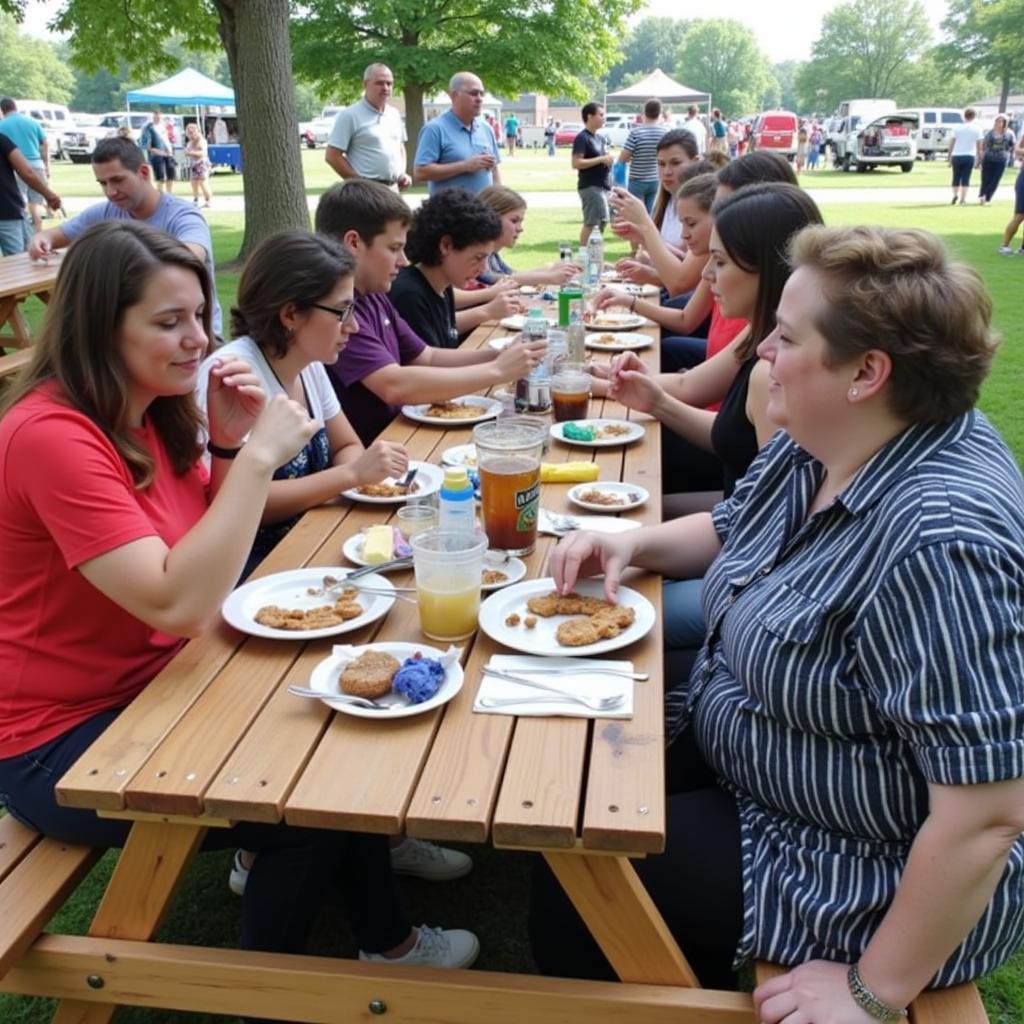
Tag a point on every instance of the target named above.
point(352, 549)
point(541, 639)
point(500, 344)
point(608, 321)
point(489, 407)
point(460, 455)
point(636, 431)
point(516, 321)
point(619, 341)
point(289, 590)
point(634, 496)
point(428, 480)
point(514, 569)
point(528, 289)
point(326, 675)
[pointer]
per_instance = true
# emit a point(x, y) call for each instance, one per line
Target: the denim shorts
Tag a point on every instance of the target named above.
point(13, 236)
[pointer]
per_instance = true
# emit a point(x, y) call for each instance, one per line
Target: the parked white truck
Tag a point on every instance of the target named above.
point(853, 116)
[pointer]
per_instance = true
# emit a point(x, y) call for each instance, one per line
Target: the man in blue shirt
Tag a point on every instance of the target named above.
point(458, 149)
point(28, 135)
point(124, 176)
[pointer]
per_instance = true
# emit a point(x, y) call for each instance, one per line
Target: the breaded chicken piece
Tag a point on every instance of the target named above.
point(578, 632)
point(369, 675)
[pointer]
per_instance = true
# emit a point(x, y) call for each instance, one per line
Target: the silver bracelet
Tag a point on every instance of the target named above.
point(869, 1002)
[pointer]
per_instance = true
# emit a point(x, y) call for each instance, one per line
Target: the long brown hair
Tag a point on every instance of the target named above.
point(104, 273)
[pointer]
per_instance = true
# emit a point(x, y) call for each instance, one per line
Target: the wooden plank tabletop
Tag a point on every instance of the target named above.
point(21, 276)
point(217, 737)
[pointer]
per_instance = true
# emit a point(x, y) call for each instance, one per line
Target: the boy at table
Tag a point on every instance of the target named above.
point(386, 364)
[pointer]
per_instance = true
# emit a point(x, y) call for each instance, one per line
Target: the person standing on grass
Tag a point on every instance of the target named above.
point(997, 147)
point(640, 153)
point(593, 162)
point(13, 227)
point(197, 155)
point(458, 149)
point(964, 150)
point(155, 142)
point(27, 134)
point(368, 137)
point(1018, 208)
point(511, 133)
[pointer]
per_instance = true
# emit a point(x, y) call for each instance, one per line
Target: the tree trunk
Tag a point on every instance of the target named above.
point(255, 35)
point(413, 93)
point(1004, 93)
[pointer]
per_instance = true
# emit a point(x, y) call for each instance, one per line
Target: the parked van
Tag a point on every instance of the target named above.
point(54, 117)
point(934, 126)
point(79, 143)
point(776, 131)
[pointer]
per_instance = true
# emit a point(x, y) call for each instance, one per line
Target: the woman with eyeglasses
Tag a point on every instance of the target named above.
point(294, 314)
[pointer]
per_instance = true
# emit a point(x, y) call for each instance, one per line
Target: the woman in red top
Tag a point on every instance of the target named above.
point(116, 545)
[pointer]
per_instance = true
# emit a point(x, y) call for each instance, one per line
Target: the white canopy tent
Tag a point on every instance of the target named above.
point(657, 85)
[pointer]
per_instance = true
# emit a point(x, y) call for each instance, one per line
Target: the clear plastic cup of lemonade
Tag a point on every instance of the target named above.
point(448, 565)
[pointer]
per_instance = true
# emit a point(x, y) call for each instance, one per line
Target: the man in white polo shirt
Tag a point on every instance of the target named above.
point(368, 138)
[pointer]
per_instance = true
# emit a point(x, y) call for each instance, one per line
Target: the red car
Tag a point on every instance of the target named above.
point(776, 130)
point(567, 133)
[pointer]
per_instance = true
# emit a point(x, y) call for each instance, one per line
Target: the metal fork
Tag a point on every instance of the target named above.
point(604, 704)
point(621, 673)
point(347, 698)
point(594, 703)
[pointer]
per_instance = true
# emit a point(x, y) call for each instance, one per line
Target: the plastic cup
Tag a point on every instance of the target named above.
point(508, 454)
point(448, 565)
point(413, 519)
point(570, 394)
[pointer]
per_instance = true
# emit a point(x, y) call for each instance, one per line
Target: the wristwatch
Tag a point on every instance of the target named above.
point(869, 1002)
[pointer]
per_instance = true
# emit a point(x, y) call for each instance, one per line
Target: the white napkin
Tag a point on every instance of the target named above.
point(573, 677)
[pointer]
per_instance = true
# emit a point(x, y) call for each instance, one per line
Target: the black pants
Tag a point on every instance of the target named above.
point(696, 884)
point(991, 175)
point(288, 880)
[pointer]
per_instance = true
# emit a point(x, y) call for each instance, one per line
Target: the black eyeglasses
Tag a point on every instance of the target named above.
point(343, 313)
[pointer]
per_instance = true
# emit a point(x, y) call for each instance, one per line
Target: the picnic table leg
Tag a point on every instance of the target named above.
point(623, 919)
point(11, 314)
point(148, 874)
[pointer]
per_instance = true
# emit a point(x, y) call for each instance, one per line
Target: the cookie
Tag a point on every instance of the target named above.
point(578, 632)
point(369, 675)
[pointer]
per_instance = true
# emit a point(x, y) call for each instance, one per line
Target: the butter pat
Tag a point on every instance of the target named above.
point(379, 545)
point(569, 472)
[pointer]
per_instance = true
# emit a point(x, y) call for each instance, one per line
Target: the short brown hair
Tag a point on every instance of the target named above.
point(501, 199)
point(897, 290)
point(366, 207)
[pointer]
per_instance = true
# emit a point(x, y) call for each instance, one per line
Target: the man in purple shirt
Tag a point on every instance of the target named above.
point(385, 364)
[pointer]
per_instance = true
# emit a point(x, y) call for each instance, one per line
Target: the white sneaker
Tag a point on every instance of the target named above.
point(435, 947)
point(239, 875)
point(429, 861)
point(1006, 250)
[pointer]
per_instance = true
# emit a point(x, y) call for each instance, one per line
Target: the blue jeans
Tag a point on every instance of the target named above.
point(645, 190)
point(288, 880)
point(683, 613)
point(678, 353)
point(13, 236)
point(962, 167)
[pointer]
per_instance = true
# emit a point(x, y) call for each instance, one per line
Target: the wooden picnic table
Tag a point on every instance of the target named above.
point(216, 739)
point(21, 277)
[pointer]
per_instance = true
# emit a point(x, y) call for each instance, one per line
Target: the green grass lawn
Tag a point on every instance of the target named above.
point(492, 900)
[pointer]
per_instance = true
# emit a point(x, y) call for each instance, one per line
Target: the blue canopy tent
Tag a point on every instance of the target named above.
point(192, 88)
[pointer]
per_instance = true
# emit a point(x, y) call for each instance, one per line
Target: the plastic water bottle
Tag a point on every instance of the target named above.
point(576, 339)
point(583, 261)
point(533, 393)
point(457, 510)
point(595, 258)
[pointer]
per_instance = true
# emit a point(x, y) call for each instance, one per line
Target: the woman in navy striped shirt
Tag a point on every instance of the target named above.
point(855, 737)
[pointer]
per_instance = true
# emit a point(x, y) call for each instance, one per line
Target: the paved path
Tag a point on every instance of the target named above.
point(926, 196)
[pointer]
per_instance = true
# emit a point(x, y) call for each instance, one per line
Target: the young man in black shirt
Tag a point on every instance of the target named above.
point(592, 160)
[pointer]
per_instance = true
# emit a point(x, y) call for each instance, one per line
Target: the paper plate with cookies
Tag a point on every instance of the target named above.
point(406, 679)
point(531, 617)
point(304, 604)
